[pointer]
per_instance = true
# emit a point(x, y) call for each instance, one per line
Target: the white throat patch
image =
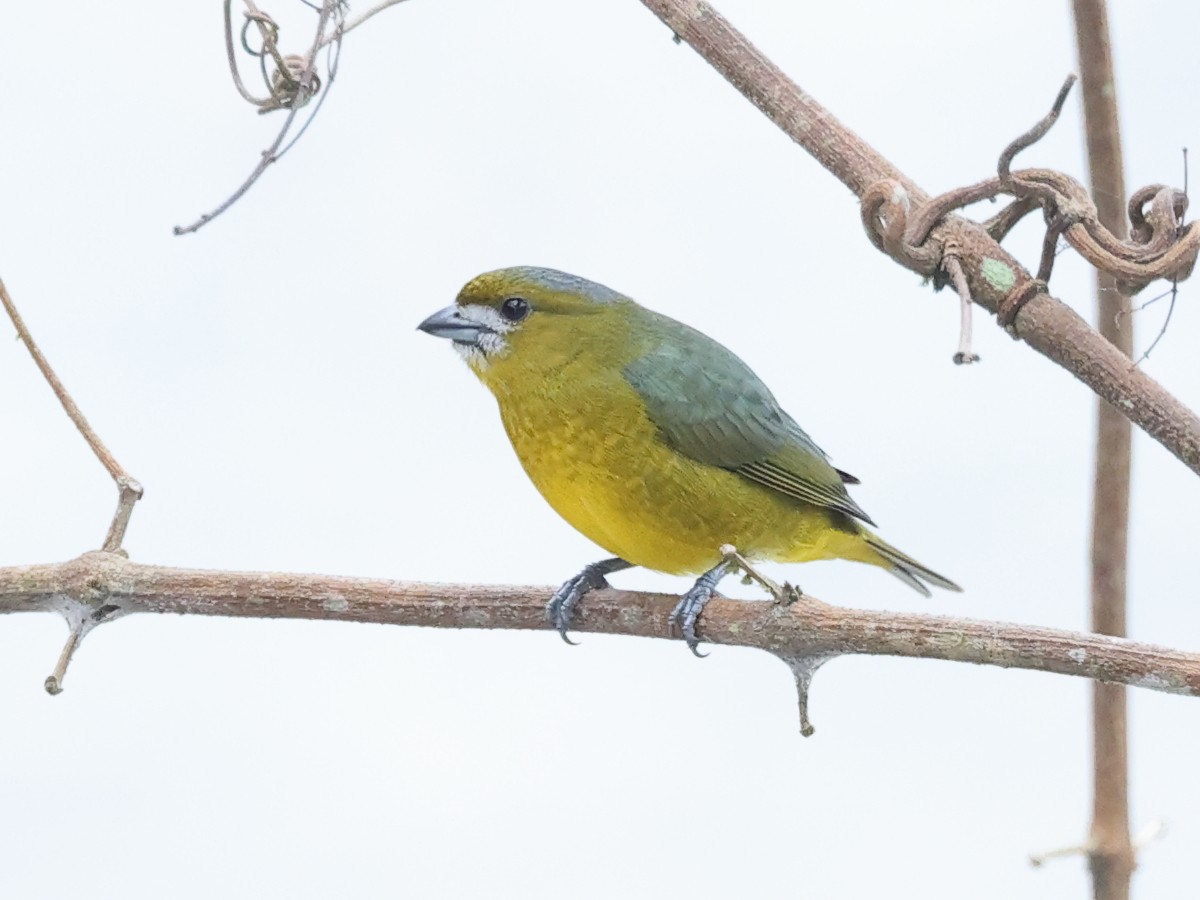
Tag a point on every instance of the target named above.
point(490, 343)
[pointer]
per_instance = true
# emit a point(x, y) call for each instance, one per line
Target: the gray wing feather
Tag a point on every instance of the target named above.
point(709, 405)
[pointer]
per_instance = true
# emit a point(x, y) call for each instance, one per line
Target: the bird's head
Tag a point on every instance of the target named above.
point(531, 318)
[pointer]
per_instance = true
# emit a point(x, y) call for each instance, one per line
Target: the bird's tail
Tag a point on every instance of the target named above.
point(905, 567)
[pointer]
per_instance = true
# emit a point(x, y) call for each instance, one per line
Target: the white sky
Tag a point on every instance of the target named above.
point(265, 381)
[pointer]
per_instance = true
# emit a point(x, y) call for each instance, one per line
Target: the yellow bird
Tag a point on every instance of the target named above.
point(652, 439)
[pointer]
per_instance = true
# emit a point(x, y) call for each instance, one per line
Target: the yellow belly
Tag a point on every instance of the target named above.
point(600, 462)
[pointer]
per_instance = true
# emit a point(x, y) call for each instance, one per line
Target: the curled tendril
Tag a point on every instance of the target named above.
point(286, 83)
point(291, 81)
point(1160, 245)
point(268, 29)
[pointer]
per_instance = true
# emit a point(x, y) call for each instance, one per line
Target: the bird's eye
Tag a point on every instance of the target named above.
point(514, 309)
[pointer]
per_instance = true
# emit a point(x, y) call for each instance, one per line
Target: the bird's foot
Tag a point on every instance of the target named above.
point(785, 594)
point(687, 611)
point(561, 608)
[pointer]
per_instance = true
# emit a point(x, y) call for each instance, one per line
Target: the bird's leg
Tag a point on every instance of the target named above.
point(785, 594)
point(687, 611)
point(562, 605)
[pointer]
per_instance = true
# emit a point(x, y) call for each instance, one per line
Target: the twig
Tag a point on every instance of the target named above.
point(358, 20)
point(231, 57)
point(965, 354)
point(999, 225)
point(1173, 293)
point(109, 583)
point(333, 57)
point(129, 490)
point(751, 575)
point(305, 87)
point(1150, 833)
point(1046, 324)
point(1037, 860)
point(55, 679)
point(1110, 850)
point(1050, 250)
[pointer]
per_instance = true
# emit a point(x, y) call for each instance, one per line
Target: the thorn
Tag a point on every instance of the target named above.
point(803, 668)
point(81, 619)
point(78, 629)
point(1037, 860)
point(1153, 830)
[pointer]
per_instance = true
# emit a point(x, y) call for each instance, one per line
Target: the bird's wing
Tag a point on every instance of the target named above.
point(708, 405)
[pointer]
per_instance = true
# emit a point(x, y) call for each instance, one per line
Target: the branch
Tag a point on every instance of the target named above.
point(998, 282)
point(129, 491)
point(100, 587)
point(358, 20)
point(295, 82)
point(1110, 848)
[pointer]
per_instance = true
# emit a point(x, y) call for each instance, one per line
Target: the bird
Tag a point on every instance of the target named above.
point(653, 440)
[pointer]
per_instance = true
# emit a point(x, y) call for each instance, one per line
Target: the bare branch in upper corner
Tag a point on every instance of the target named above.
point(290, 82)
point(129, 490)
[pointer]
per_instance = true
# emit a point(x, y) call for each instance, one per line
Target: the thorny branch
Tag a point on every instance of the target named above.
point(102, 586)
point(997, 281)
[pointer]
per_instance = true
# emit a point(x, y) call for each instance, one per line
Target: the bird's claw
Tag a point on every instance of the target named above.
point(561, 608)
point(687, 610)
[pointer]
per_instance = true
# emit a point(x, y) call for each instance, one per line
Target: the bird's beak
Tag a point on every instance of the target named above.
point(451, 324)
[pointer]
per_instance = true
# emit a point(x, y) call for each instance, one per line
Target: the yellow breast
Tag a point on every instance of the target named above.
point(587, 444)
